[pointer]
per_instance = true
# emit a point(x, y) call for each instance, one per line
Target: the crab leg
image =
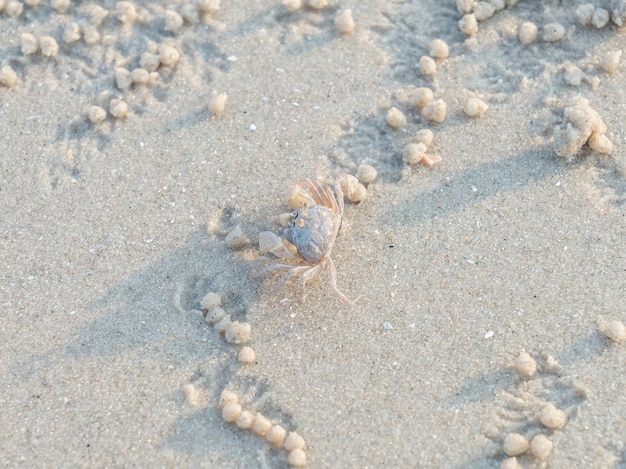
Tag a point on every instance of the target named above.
point(332, 275)
point(306, 276)
point(270, 268)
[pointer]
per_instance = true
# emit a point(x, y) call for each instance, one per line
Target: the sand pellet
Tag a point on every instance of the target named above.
point(8, 77)
point(150, 61)
point(483, 11)
point(616, 331)
point(236, 239)
point(245, 420)
point(584, 13)
point(215, 315)
point(510, 463)
point(238, 333)
point(359, 194)
point(173, 21)
point(609, 60)
point(30, 3)
point(600, 143)
point(515, 444)
point(96, 114)
point(125, 12)
point(123, 80)
point(96, 14)
point(208, 6)
point(366, 173)
point(317, 4)
point(231, 411)
point(118, 108)
point(395, 118)
point(427, 66)
point(194, 395)
point(344, 22)
point(525, 364)
point(168, 55)
point(297, 458)
point(348, 184)
point(439, 49)
point(423, 97)
point(261, 425)
point(435, 111)
point(210, 300)
point(246, 355)
point(424, 136)
point(498, 4)
point(468, 25)
point(14, 8)
point(541, 446)
point(292, 5)
point(527, 33)
point(430, 161)
point(580, 124)
point(140, 76)
point(600, 18)
point(71, 33)
point(475, 107)
point(294, 441)
point(217, 104)
point(29, 44)
point(553, 32)
point(60, 6)
point(227, 397)
point(90, 34)
point(221, 325)
point(414, 152)
point(552, 418)
point(48, 46)
point(276, 435)
point(465, 6)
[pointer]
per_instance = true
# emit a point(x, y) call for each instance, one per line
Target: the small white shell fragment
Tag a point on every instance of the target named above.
point(483, 11)
point(210, 300)
point(194, 395)
point(553, 32)
point(96, 114)
point(227, 397)
point(527, 33)
point(8, 77)
point(60, 5)
point(541, 446)
point(584, 13)
point(515, 444)
point(118, 108)
point(238, 333)
point(552, 418)
point(231, 411)
point(525, 364)
point(600, 18)
point(261, 425)
point(317, 4)
point(173, 21)
point(292, 5)
point(600, 143)
point(510, 463)
point(615, 331)
point(48, 46)
point(423, 97)
point(395, 118)
point(71, 33)
point(414, 152)
point(366, 173)
point(609, 60)
point(123, 79)
point(125, 12)
point(435, 111)
point(215, 315)
point(439, 49)
point(294, 441)
point(276, 435)
point(236, 239)
point(468, 25)
point(344, 22)
point(217, 104)
point(297, 458)
point(221, 326)
point(475, 107)
point(14, 8)
point(424, 136)
point(465, 6)
point(28, 43)
point(245, 420)
point(168, 55)
point(246, 355)
point(427, 66)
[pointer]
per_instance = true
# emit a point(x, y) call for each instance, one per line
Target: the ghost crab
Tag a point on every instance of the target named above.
point(311, 233)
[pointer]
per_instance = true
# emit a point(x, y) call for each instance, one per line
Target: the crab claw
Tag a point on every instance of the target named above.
point(271, 242)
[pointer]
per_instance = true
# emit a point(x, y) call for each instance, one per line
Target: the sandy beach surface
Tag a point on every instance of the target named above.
point(124, 177)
